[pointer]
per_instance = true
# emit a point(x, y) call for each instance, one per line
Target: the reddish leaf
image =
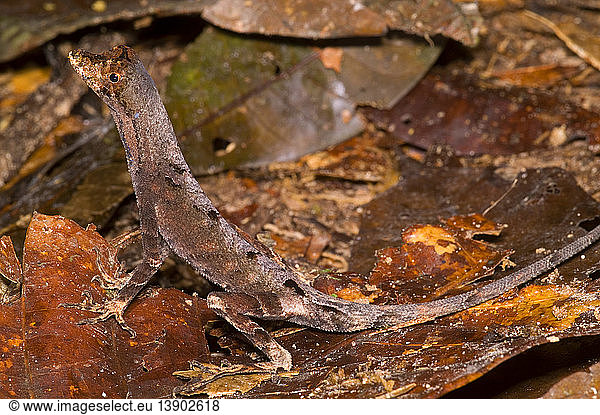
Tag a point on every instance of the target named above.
point(51, 356)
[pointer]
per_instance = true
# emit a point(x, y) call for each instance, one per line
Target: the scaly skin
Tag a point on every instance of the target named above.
point(176, 216)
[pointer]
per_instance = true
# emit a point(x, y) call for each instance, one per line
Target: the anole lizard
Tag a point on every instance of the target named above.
point(176, 216)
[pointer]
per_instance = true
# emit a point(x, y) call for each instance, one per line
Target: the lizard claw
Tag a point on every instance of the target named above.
point(87, 303)
point(107, 284)
point(106, 310)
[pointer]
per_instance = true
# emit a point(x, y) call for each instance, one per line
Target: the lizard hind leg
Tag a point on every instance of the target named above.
point(238, 308)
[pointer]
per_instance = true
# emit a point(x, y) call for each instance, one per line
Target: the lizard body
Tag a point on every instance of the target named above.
point(176, 216)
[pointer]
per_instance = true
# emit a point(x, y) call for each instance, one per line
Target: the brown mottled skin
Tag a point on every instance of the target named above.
point(176, 216)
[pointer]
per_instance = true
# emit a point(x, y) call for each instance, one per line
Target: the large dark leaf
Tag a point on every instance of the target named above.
point(342, 18)
point(473, 118)
point(239, 101)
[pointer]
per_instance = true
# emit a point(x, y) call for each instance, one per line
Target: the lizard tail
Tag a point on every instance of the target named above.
point(365, 316)
point(418, 313)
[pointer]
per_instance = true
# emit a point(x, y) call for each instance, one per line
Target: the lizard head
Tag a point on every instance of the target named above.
point(113, 75)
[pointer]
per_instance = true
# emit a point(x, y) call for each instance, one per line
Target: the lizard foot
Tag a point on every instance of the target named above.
point(278, 356)
point(237, 308)
point(278, 359)
point(113, 308)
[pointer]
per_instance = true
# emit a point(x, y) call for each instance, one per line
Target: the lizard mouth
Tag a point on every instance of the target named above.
point(86, 65)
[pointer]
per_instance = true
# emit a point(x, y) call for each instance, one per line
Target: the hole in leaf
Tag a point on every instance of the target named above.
point(552, 188)
point(222, 146)
point(590, 224)
point(293, 285)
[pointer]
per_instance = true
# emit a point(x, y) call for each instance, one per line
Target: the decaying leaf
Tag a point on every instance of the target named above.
point(432, 260)
point(382, 73)
point(430, 18)
point(472, 118)
point(302, 18)
point(344, 18)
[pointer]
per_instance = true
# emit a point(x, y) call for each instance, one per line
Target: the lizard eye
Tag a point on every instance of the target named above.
point(114, 77)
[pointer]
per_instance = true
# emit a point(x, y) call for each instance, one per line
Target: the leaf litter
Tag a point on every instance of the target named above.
point(314, 209)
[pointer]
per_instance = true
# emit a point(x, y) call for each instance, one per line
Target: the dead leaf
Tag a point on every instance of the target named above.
point(473, 118)
point(343, 19)
point(430, 262)
point(433, 261)
point(38, 21)
point(586, 45)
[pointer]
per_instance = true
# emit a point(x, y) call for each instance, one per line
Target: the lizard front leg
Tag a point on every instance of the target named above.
point(154, 252)
point(238, 308)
